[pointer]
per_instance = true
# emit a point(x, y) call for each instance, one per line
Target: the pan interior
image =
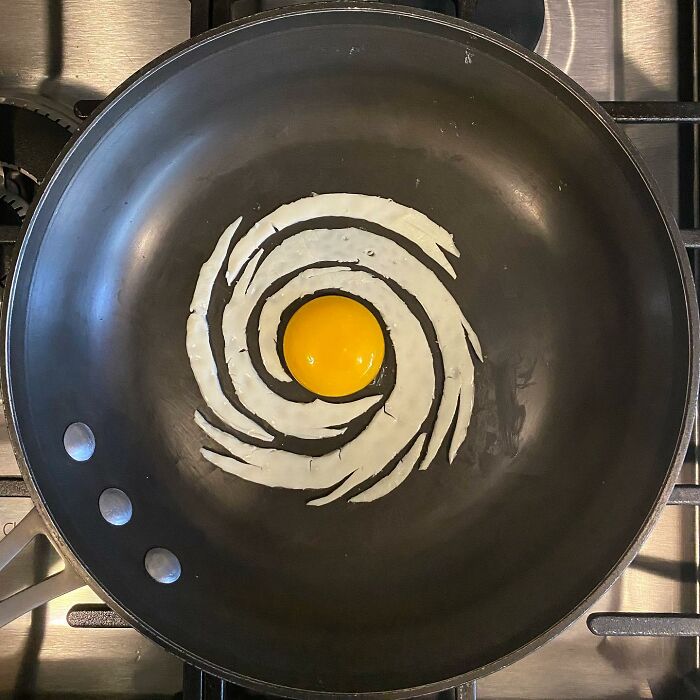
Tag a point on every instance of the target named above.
point(567, 273)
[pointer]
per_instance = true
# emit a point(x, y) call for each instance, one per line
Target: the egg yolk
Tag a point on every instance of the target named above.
point(333, 346)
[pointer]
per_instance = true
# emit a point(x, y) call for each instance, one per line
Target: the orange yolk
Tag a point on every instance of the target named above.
point(333, 346)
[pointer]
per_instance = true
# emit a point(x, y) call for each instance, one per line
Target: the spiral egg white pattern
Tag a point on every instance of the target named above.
point(369, 266)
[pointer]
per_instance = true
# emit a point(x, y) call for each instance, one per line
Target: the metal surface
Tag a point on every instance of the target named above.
point(685, 494)
point(60, 52)
point(519, 20)
point(591, 376)
point(95, 616)
point(197, 685)
point(691, 237)
point(467, 691)
point(162, 565)
point(13, 487)
point(644, 625)
point(79, 442)
point(653, 112)
point(42, 656)
point(115, 506)
point(40, 592)
point(580, 665)
point(580, 39)
point(617, 51)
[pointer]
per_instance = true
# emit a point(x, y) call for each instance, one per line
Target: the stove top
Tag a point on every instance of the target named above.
point(519, 20)
point(59, 54)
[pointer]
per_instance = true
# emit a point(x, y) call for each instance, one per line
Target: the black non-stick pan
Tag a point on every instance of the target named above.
point(570, 273)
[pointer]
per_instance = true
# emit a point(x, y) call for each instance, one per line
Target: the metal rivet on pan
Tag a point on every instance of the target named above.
point(162, 565)
point(115, 506)
point(79, 442)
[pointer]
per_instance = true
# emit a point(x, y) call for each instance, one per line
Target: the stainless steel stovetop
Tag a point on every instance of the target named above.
point(55, 52)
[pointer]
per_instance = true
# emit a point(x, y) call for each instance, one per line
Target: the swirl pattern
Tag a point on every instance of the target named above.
point(405, 425)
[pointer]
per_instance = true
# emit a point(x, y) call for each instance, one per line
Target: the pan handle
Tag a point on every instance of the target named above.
point(33, 596)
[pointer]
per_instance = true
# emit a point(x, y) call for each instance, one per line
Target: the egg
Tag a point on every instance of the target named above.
point(398, 423)
point(349, 291)
point(333, 346)
point(199, 349)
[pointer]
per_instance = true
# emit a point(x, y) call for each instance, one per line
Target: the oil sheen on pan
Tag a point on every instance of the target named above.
point(273, 268)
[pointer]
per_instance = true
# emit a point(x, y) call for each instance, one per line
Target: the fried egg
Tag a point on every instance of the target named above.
point(351, 291)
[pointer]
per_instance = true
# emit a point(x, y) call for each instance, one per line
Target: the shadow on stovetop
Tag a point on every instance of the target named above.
point(26, 680)
point(683, 572)
point(685, 688)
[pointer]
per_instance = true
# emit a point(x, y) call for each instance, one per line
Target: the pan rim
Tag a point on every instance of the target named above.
point(560, 81)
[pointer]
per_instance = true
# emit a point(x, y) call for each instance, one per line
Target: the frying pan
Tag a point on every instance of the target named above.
point(571, 272)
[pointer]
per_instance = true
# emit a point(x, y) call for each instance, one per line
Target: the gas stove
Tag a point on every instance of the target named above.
point(59, 59)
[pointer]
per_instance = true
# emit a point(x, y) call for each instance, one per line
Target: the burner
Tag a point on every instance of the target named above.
point(13, 209)
point(30, 140)
point(519, 20)
point(17, 185)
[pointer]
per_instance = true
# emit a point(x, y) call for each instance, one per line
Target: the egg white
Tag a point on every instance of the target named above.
point(390, 429)
point(400, 425)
